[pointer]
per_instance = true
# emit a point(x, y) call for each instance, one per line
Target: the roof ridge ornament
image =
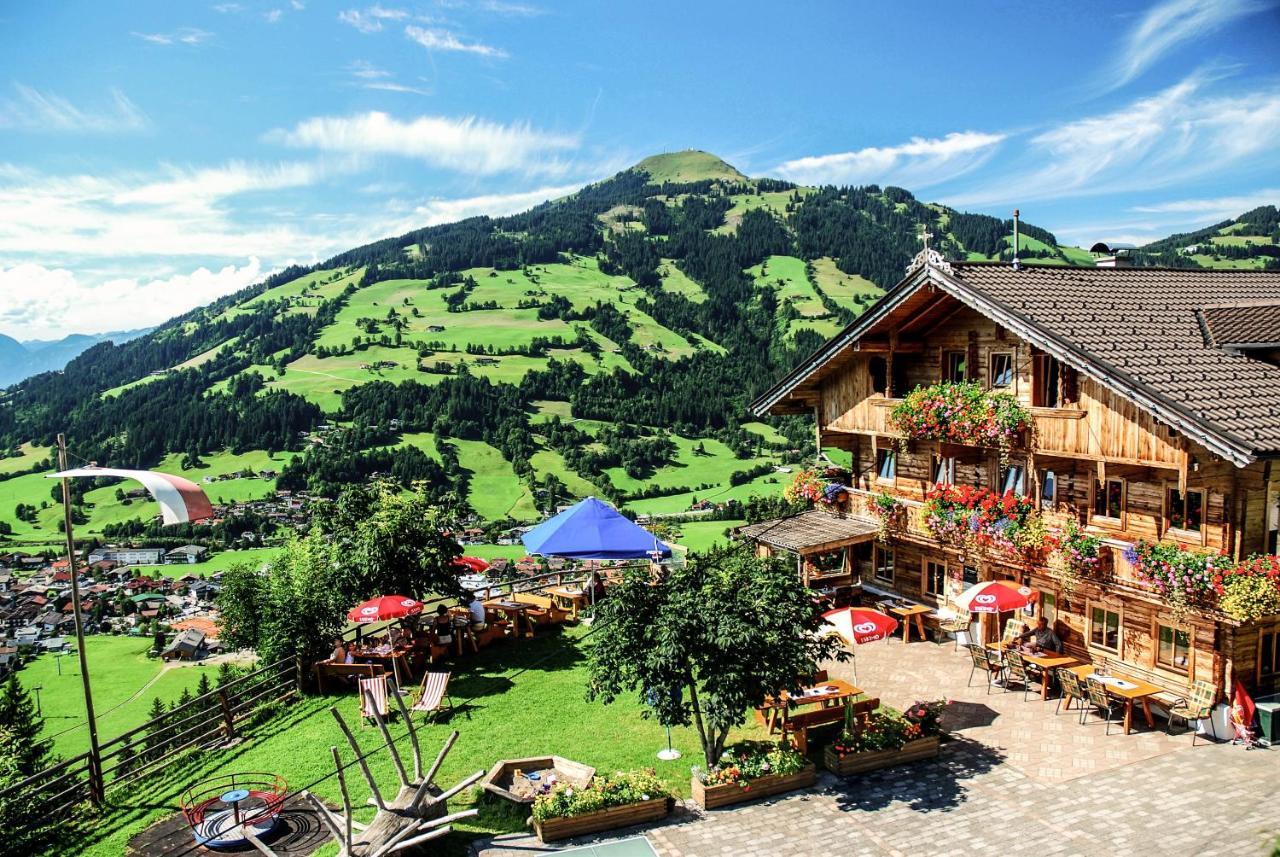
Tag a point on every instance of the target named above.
point(928, 257)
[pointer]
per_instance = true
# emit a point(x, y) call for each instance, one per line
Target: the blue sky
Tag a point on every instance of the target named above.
point(158, 154)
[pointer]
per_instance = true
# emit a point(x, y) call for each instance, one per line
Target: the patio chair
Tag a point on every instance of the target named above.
point(984, 664)
point(953, 625)
point(373, 698)
point(1100, 701)
point(1198, 706)
point(434, 695)
point(1071, 689)
point(1015, 670)
point(1012, 628)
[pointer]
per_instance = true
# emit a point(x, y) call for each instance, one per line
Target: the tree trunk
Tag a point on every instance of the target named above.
point(702, 729)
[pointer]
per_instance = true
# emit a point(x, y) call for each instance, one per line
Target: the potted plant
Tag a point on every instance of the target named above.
point(963, 412)
point(750, 770)
point(887, 738)
point(890, 512)
point(609, 801)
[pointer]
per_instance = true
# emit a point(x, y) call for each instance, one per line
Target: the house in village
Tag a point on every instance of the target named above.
point(1154, 404)
point(186, 554)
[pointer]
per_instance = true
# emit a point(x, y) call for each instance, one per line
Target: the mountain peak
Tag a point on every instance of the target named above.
point(689, 165)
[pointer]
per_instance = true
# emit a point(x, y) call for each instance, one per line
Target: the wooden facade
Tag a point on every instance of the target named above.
point(1094, 456)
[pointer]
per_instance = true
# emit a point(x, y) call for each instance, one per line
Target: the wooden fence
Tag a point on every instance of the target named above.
point(206, 720)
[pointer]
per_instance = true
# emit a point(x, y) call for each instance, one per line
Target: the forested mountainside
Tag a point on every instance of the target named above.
point(602, 343)
point(19, 360)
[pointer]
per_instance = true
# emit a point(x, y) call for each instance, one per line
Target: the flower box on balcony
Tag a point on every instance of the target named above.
point(848, 764)
point(726, 794)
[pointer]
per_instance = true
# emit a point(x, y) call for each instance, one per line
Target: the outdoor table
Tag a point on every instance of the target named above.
point(568, 597)
point(909, 612)
point(515, 611)
point(1046, 661)
point(394, 656)
point(1128, 689)
point(834, 690)
point(462, 628)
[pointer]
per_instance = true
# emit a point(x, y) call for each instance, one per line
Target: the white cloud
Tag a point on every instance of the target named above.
point(228, 8)
point(917, 163)
point(273, 16)
point(371, 20)
point(366, 70)
point(513, 10)
point(392, 86)
point(370, 76)
point(43, 303)
point(443, 40)
point(435, 211)
point(190, 36)
point(33, 110)
point(467, 145)
point(1177, 135)
point(1167, 25)
point(297, 5)
point(1218, 208)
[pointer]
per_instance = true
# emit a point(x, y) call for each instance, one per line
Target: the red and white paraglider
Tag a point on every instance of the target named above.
point(181, 500)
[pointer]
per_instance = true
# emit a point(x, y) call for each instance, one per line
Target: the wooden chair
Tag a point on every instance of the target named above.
point(798, 725)
point(373, 698)
point(953, 625)
point(1197, 706)
point(983, 664)
point(1071, 689)
point(434, 695)
point(1099, 700)
point(1015, 670)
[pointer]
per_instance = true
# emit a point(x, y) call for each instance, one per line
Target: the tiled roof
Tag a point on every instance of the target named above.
point(1244, 323)
point(1141, 325)
point(808, 530)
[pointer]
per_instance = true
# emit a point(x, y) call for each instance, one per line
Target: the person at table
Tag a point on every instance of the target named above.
point(1041, 638)
point(595, 586)
point(340, 654)
point(479, 620)
point(443, 625)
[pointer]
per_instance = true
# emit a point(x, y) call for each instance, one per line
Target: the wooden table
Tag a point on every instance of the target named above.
point(397, 658)
point(570, 597)
point(834, 690)
point(1046, 661)
point(1135, 691)
point(909, 612)
point(515, 611)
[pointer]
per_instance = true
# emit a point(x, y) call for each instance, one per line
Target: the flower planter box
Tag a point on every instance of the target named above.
point(553, 829)
point(714, 797)
point(860, 763)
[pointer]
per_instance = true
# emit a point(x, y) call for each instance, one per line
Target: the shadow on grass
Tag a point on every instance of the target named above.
point(927, 786)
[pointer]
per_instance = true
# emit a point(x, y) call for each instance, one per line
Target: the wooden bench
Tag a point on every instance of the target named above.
point(543, 611)
point(797, 726)
point(326, 670)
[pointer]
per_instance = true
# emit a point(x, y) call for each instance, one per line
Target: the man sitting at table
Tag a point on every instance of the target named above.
point(479, 621)
point(1042, 638)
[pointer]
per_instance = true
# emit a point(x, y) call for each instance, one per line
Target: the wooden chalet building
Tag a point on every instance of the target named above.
point(1155, 396)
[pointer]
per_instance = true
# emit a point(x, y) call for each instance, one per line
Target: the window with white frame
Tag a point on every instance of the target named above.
point(1001, 369)
point(1048, 487)
point(1013, 478)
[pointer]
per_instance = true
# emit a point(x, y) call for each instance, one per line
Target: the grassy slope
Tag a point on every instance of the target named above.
point(690, 469)
point(526, 698)
point(690, 165)
point(28, 456)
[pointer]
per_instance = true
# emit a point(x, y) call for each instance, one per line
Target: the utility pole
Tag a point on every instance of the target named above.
point(95, 759)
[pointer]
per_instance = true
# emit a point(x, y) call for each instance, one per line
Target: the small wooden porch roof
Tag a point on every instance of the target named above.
point(811, 532)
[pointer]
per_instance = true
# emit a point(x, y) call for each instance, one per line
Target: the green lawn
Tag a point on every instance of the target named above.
point(496, 492)
point(689, 165)
point(518, 698)
point(839, 286)
point(28, 456)
point(769, 484)
point(220, 561)
point(676, 281)
point(124, 682)
point(698, 536)
point(690, 468)
point(773, 201)
point(786, 275)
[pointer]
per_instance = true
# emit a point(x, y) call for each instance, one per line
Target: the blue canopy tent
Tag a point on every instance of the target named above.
point(593, 530)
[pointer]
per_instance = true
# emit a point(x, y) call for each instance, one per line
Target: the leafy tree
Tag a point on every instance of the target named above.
point(709, 642)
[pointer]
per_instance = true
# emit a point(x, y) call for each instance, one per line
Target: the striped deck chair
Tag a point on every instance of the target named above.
point(434, 695)
point(373, 697)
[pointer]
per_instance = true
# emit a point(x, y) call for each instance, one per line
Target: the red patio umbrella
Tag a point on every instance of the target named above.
point(472, 563)
point(995, 596)
point(861, 625)
point(384, 608)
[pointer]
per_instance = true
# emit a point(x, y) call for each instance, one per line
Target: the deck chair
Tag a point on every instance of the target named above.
point(373, 697)
point(1198, 706)
point(953, 625)
point(434, 695)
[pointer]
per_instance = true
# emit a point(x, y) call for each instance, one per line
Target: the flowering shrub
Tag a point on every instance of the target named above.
point(890, 512)
point(962, 413)
point(749, 760)
point(604, 791)
point(1183, 577)
point(980, 518)
point(809, 486)
point(886, 729)
point(926, 716)
point(1076, 554)
point(1251, 589)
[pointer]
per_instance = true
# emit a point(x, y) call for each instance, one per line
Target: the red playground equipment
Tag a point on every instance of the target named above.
point(234, 810)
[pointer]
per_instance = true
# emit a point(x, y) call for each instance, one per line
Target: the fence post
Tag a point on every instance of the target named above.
point(228, 719)
point(97, 788)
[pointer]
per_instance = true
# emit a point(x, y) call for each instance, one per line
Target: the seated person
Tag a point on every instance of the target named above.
point(340, 653)
point(595, 586)
point(1040, 639)
point(443, 625)
point(479, 620)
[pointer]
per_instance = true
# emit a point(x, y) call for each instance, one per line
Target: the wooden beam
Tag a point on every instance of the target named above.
point(346, 797)
point(386, 736)
point(413, 736)
point(435, 767)
point(364, 766)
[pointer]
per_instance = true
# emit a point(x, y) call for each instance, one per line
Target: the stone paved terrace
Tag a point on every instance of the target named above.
point(1014, 779)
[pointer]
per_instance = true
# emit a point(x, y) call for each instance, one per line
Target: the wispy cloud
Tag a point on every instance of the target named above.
point(366, 70)
point(435, 211)
point(512, 10)
point(369, 76)
point(228, 8)
point(468, 145)
point(190, 36)
point(443, 40)
point(273, 16)
point(1215, 208)
point(371, 20)
point(1168, 24)
point(33, 110)
point(1179, 134)
point(917, 163)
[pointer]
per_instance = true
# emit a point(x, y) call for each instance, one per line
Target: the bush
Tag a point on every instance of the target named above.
point(749, 760)
point(617, 789)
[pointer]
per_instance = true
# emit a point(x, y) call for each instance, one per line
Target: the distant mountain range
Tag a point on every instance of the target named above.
point(21, 360)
